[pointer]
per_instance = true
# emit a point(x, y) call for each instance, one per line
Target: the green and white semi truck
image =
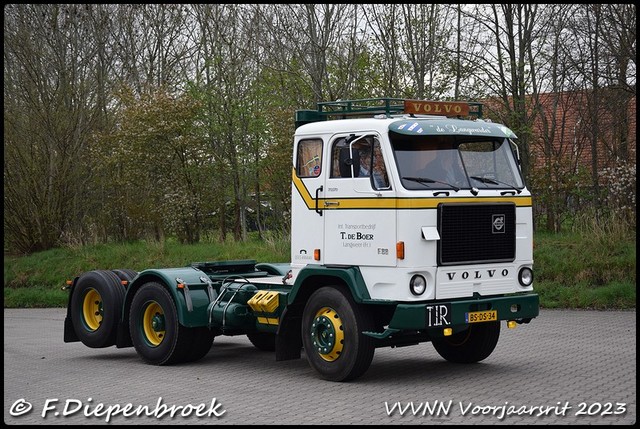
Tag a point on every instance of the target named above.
point(411, 223)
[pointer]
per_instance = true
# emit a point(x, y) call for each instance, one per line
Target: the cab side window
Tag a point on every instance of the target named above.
point(344, 156)
point(362, 158)
point(309, 158)
point(380, 179)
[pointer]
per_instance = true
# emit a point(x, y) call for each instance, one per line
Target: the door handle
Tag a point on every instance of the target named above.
point(331, 203)
point(317, 197)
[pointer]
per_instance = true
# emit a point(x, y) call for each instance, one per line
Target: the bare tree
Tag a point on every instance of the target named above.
point(226, 76)
point(427, 31)
point(152, 45)
point(506, 59)
point(309, 38)
point(51, 108)
point(558, 145)
point(619, 39)
point(385, 27)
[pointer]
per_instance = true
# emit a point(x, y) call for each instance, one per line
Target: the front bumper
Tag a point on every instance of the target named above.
point(437, 315)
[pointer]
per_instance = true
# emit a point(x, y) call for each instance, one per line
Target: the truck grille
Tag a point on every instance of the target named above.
point(476, 233)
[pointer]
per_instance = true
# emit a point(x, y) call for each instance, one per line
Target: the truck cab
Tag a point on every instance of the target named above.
point(406, 195)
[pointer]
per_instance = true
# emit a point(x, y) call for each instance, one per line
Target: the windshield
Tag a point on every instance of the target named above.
point(455, 162)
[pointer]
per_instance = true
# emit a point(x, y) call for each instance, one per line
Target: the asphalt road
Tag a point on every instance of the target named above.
point(565, 367)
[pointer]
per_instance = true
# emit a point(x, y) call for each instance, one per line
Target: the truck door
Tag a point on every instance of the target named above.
point(306, 196)
point(359, 204)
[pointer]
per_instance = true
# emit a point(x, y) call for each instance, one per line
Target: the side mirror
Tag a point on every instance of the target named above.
point(346, 161)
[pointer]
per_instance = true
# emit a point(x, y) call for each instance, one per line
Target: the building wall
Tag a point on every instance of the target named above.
point(565, 126)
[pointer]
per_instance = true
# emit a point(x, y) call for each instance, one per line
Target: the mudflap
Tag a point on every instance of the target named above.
point(289, 334)
point(123, 336)
point(70, 335)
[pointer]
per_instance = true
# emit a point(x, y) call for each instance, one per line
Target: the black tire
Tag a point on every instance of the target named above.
point(202, 339)
point(264, 341)
point(125, 274)
point(155, 330)
point(472, 345)
point(332, 326)
point(96, 308)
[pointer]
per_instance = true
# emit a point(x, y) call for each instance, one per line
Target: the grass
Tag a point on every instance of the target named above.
point(585, 270)
point(36, 280)
point(572, 270)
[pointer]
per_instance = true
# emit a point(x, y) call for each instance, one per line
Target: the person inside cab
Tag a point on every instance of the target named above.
point(443, 165)
point(365, 159)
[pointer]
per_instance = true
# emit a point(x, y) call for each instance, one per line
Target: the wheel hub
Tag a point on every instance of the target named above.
point(153, 324)
point(327, 334)
point(157, 323)
point(92, 311)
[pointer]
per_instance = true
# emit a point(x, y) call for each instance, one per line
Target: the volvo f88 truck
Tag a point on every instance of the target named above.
point(410, 223)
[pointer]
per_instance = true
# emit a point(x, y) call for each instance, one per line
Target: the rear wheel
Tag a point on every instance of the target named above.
point(332, 326)
point(474, 344)
point(125, 274)
point(155, 330)
point(202, 339)
point(264, 341)
point(96, 308)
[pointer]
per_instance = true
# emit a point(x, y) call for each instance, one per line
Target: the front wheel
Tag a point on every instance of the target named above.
point(472, 345)
point(332, 326)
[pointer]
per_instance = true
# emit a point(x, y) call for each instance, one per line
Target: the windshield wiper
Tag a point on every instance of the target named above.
point(495, 182)
point(425, 180)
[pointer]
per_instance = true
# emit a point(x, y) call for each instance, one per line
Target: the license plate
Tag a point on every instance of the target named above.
point(481, 316)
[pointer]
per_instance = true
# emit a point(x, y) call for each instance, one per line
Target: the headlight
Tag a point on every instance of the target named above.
point(525, 276)
point(417, 285)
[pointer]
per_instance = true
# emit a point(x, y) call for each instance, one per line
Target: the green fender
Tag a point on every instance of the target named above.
point(277, 269)
point(312, 277)
point(167, 277)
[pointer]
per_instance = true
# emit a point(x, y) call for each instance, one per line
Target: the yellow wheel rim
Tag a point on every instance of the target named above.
point(153, 323)
point(327, 334)
point(92, 309)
